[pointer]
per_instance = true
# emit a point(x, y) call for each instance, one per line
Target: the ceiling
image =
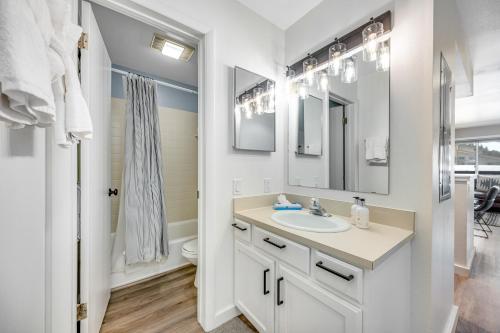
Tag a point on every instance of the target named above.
point(481, 24)
point(282, 13)
point(128, 44)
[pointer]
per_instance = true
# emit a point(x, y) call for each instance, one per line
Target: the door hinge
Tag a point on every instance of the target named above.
point(81, 311)
point(83, 42)
point(344, 120)
point(197, 194)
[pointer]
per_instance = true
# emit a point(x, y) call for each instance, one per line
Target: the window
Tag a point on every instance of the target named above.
point(483, 156)
point(488, 156)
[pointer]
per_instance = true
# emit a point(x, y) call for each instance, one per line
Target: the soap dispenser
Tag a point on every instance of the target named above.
point(354, 210)
point(363, 215)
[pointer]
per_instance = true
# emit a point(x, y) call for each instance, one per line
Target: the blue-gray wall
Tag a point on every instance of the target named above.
point(167, 97)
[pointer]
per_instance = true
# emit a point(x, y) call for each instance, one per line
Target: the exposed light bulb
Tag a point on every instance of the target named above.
point(302, 89)
point(350, 73)
point(309, 67)
point(371, 44)
point(383, 58)
point(335, 54)
point(323, 82)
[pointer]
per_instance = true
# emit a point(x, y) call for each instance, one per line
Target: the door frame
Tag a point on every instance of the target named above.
point(169, 19)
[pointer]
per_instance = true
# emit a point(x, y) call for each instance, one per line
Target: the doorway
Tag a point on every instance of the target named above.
point(113, 51)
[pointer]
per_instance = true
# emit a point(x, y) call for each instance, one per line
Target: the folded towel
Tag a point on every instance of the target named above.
point(289, 206)
point(24, 63)
point(376, 149)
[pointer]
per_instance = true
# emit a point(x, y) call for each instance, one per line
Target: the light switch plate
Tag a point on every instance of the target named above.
point(237, 186)
point(267, 185)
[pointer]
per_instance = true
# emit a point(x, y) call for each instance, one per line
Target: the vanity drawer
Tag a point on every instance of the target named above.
point(285, 250)
point(337, 275)
point(242, 230)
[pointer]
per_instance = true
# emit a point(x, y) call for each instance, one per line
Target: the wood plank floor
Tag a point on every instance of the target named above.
point(478, 296)
point(166, 304)
point(163, 304)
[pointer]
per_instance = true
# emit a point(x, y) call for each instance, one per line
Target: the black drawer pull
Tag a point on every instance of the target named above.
point(238, 227)
point(279, 301)
point(266, 291)
point(274, 244)
point(112, 192)
point(340, 275)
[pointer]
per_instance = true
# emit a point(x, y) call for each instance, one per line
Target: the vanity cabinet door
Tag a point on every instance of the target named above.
point(254, 286)
point(303, 306)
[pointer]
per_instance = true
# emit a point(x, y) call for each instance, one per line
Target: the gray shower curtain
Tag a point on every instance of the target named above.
point(143, 192)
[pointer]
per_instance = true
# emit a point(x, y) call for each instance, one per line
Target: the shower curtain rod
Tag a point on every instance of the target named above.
point(161, 83)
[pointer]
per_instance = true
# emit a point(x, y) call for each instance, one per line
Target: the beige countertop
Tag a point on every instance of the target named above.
point(365, 248)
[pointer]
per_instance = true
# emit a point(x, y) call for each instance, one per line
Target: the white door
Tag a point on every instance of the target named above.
point(254, 287)
point(95, 168)
point(303, 306)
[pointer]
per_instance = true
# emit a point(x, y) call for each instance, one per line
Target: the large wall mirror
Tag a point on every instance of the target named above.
point(339, 138)
point(254, 111)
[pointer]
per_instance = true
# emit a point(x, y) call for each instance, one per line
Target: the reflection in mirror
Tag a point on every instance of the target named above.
point(254, 111)
point(339, 139)
point(310, 126)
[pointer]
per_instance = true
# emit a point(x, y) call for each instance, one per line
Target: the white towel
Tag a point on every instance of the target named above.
point(25, 31)
point(376, 149)
point(73, 123)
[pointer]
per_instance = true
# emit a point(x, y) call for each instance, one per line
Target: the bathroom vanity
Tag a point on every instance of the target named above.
point(289, 280)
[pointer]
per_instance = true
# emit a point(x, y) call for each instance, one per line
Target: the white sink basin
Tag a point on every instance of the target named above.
point(308, 222)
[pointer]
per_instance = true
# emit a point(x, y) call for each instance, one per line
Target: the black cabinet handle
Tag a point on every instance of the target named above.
point(267, 240)
point(279, 301)
point(112, 192)
point(238, 227)
point(340, 275)
point(265, 282)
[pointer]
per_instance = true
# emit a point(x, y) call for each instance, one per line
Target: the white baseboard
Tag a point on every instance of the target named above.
point(174, 260)
point(465, 270)
point(451, 324)
point(225, 315)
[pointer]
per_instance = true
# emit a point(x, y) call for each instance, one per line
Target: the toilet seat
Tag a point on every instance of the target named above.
point(190, 247)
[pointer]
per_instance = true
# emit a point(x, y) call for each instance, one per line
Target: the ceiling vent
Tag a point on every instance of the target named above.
point(172, 48)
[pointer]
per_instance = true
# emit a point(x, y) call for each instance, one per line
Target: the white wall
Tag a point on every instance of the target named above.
point(246, 40)
point(413, 132)
point(22, 230)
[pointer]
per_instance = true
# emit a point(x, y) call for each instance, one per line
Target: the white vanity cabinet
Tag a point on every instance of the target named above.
point(254, 275)
point(285, 287)
point(303, 306)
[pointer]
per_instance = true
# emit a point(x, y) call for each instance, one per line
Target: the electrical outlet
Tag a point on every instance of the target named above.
point(267, 185)
point(237, 186)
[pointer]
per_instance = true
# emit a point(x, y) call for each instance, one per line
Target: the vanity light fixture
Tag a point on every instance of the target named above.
point(335, 58)
point(246, 101)
point(350, 73)
point(270, 106)
point(290, 76)
point(309, 66)
point(371, 35)
point(323, 81)
point(172, 48)
point(302, 89)
point(383, 57)
point(257, 95)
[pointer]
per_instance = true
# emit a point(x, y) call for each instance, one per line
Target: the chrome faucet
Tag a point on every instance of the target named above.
point(316, 209)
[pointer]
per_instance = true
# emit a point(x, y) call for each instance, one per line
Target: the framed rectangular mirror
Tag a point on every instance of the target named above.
point(339, 138)
point(254, 112)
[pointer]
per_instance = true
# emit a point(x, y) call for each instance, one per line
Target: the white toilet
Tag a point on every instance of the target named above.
point(190, 252)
